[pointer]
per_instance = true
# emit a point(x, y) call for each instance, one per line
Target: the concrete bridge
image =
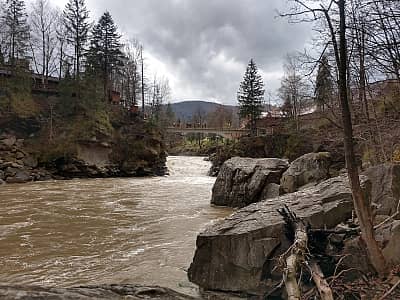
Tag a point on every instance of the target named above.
point(227, 133)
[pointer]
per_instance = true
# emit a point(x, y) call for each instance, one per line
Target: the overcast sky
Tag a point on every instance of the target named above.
point(203, 46)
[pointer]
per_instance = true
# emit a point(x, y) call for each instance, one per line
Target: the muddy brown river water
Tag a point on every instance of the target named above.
point(131, 230)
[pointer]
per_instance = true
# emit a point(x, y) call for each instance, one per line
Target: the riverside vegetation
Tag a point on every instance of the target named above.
point(76, 113)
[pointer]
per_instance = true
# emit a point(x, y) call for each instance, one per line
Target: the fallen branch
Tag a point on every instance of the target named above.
point(297, 231)
point(322, 285)
point(297, 253)
point(390, 291)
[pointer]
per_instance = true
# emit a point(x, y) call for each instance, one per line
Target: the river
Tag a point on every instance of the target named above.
point(124, 230)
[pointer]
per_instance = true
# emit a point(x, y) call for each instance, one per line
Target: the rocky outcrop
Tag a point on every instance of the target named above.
point(309, 168)
point(126, 291)
point(236, 254)
point(16, 165)
point(243, 181)
point(127, 154)
point(385, 192)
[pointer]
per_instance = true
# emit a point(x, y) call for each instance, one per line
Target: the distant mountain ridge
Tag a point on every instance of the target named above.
point(186, 109)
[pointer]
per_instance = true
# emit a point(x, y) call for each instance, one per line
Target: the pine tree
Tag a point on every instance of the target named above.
point(77, 26)
point(324, 85)
point(16, 31)
point(104, 54)
point(251, 95)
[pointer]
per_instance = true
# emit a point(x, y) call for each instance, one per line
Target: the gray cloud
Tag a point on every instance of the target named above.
point(206, 44)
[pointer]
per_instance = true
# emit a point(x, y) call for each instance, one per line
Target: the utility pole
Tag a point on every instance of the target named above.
point(141, 57)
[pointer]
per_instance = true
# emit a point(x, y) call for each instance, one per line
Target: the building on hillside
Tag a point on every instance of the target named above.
point(44, 85)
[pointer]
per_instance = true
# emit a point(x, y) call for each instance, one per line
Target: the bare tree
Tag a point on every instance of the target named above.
point(294, 90)
point(130, 73)
point(43, 21)
point(338, 41)
point(61, 34)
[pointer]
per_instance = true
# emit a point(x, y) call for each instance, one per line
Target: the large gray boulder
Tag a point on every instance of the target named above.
point(385, 188)
point(237, 254)
point(242, 181)
point(309, 168)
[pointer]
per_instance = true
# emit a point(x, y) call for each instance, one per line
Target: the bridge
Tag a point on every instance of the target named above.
point(227, 133)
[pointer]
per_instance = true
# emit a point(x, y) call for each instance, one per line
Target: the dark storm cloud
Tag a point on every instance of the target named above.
point(206, 44)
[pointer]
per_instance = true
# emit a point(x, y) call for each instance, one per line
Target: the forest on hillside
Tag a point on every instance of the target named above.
point(78, 65)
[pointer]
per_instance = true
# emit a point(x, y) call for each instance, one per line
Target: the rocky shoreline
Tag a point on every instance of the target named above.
point(241, 253)
point(18, 165)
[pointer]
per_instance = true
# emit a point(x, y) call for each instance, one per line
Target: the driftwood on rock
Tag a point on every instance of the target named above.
point(319, 279)
point(298, 256)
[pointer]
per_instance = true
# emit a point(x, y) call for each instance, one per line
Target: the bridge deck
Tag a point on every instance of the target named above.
point(225, 132)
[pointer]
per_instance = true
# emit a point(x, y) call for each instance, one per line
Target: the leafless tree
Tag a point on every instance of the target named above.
point(334, 14)
point(294, 91)
point(43, 43)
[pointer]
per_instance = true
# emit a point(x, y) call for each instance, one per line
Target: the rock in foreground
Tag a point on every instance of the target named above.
point(134, 292)
point(236, 254)
point(242, 181)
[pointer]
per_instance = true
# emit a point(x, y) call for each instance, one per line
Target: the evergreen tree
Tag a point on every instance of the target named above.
point(251, 95)
point(170, 114)
point(16, 31)
point(77, 26)
point(324, 85)
point(104, 54)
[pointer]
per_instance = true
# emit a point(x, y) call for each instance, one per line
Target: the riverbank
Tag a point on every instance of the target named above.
point(131, 151)
point(247, 253)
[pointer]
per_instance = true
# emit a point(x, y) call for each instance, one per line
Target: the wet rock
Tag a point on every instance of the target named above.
point(30, 161)
point(21, 176)
point(19, 155)
point(126, 291)
point(19, 143)
point(2, 182)
point(241, 181)
point(237, 254)
point(5, 165)
point(9, 141)
point(385, 192)
point(11, 171)
point(309, 168)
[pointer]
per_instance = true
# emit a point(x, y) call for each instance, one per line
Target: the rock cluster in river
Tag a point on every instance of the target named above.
point(242, 181)
point(239, 254)
point(17, 165)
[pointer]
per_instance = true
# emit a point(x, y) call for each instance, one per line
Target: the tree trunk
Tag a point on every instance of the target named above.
point(361, 205)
